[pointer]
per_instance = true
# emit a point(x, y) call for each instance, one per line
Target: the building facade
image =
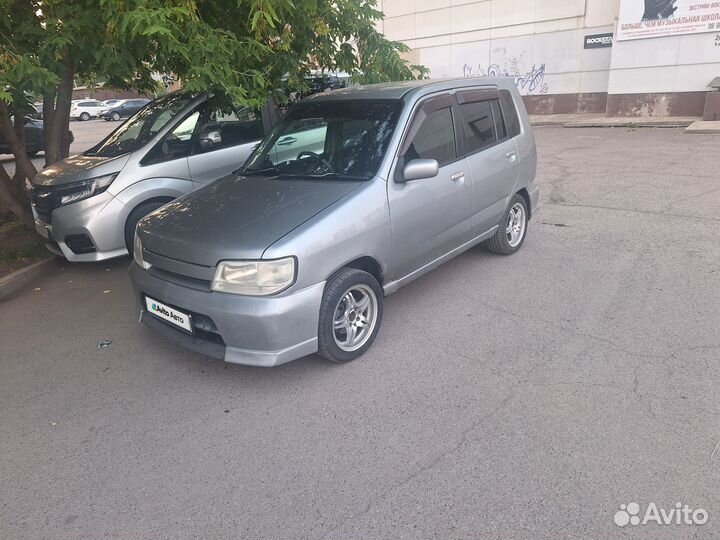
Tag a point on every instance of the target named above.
point(621, 57)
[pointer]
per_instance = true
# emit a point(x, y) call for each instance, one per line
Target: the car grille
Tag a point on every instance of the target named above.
point(45, 199)
point(179, 272)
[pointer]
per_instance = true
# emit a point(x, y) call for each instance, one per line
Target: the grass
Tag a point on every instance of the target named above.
point(18, 246)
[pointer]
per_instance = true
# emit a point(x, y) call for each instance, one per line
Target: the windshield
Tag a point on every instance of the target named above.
point(142, 127)
point(330, 139)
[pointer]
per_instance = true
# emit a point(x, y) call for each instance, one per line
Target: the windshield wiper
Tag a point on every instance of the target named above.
point(258, 171)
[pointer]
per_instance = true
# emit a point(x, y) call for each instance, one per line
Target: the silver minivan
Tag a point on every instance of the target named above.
point(88, 205)
point(354, 194)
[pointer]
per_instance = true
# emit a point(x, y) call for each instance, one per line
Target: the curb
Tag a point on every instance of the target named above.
point(19, 278)
point(630, 124)
point(704, 128)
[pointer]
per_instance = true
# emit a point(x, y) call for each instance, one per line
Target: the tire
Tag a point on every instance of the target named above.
point(506, 241)
point(136, 215)
point(84, 117)
point(115, 116)
point(334, 308)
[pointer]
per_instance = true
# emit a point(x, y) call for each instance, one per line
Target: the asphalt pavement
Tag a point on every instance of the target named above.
point(505, 397)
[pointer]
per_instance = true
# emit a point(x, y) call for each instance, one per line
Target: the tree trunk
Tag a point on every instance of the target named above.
point(12, 195)
point(10, 202)
point(48, 118)
point(57, 141)
point(15, 137)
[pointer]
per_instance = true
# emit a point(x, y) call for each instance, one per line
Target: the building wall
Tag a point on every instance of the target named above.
point(664, 76)
point(541, 44)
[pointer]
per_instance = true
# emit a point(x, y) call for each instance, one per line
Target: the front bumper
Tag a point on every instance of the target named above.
point(101, 218)
point(255, 331)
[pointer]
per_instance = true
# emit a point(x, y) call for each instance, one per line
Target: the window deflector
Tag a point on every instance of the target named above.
point(472, 96)
point(426, 108)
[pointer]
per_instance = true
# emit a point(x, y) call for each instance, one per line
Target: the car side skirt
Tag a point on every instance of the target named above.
point(393, 286)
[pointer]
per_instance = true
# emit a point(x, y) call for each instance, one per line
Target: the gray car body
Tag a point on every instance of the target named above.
point(103, 216)
point(397, 230)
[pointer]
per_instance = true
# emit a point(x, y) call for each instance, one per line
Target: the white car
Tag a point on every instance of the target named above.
point(85, 109)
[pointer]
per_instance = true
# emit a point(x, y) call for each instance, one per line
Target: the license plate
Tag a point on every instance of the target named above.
point(171, 315)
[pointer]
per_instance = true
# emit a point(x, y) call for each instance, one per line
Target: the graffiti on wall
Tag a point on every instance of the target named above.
point(529, 81)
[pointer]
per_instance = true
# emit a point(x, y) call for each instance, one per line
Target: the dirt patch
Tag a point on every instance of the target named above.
point(19, 246)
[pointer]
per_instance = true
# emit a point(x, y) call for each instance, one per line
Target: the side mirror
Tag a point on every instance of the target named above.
point(419, 169)
point(210, 139)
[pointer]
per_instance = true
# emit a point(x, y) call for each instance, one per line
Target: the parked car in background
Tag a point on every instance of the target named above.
point(38, 107)
point(85, 109)
point(109, 103)
point(88, 204)
point(123, 110)
point(354, 194)
point(33, 138)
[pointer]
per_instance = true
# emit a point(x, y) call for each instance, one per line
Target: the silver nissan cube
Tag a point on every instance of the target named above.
point(88, 205)
point(353, 194)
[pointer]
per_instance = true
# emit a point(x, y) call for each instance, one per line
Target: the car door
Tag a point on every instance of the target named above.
point(130, 108)
point(224, 141)
point(492, 156)
point(429, 217)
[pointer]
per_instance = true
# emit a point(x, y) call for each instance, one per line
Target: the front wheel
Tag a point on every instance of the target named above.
point(84, 117)
point(136, 215)
point(350, 315)
point(512, 229)
point(115, 116)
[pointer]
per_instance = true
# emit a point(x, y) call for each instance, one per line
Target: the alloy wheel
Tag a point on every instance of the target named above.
point(355, 317)
point(516, 224)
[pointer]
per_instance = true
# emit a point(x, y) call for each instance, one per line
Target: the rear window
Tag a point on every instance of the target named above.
point(510, 113)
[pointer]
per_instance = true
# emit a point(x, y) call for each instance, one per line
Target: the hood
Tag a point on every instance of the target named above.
point(77, 168)
point(237, 217)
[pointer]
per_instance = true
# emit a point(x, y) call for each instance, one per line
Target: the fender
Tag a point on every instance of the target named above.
point(152, 188)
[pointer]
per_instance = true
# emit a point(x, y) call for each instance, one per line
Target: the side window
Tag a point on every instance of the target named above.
point(510, 113)
point(478, 125)
point(434, 139)
point(225, 128)
point(176, 144)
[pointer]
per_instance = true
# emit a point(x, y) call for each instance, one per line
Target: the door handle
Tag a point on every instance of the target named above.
point(512, 155)
point(458, 177)
point(286, 140)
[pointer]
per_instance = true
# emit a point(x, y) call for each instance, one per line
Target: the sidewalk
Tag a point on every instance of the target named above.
point(599, 120)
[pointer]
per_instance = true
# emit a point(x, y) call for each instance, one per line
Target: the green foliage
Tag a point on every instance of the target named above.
point(241, 48)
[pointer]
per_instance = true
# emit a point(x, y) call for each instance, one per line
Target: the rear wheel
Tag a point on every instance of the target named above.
point(115, 116)
point(512, 229)
point(84, 117)
point(350, 315)
point(136, 215)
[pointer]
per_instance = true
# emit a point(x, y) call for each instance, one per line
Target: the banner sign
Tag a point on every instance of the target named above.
point(656, 18)
point(598, 41)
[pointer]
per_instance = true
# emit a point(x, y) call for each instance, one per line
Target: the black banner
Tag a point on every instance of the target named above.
point(598, 41)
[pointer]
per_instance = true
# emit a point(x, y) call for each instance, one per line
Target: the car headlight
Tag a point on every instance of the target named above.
point(87, 188)
point(254, 278)
point(138, 253)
